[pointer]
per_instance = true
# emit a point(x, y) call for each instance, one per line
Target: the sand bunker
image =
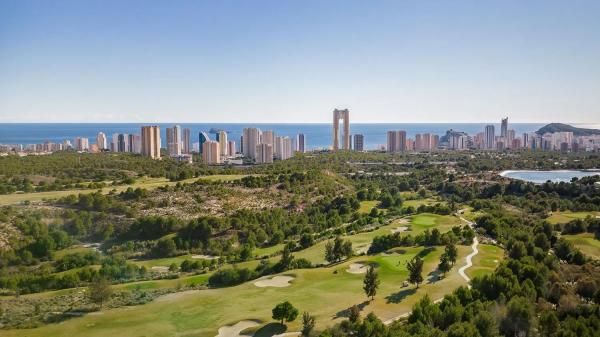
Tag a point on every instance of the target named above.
point(357, 268)
point(160, 269)
point(234, 330)
point(205, 257)
point(399, 229)
point(277, 281)
point(288, 334)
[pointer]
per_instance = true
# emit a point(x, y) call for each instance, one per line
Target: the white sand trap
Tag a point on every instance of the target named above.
point(234, 330)
point(288, 334)
point(161, 269)
point(357, 268)
point(277, 282)
point(205, 257)
point(399, 229)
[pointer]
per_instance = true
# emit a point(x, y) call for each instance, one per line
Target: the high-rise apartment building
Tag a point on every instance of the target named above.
point(174, 140)
point(251, 138)
point(231, 150)
point(344, 115)
point(283, 148)
point(82, 144)
point(510, 136)
point(301, 143)
point(223, 143)
point(359, 142)
point(268, 137)
point(396, 141)
point(203, 137)
point(211, 152)
point(151, 141)
point(135, 143)
point(490, 137)
point(264, 153)
point(101, 141)
point(186, 141)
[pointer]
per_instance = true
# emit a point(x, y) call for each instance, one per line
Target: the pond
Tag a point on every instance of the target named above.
point(540, 177)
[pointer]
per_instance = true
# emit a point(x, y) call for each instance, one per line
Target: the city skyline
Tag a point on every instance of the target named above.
point(66, 61)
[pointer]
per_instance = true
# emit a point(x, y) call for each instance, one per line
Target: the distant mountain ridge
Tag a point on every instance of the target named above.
point(560, 127)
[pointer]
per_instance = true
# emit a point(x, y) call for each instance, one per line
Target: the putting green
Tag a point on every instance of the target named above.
point(587, 243)
point(486, 261)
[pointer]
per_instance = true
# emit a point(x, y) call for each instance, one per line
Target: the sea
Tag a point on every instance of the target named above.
point(317, 135)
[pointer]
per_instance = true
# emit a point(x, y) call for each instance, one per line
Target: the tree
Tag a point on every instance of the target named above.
point(371, 282)
point(415, 269)
point(285, 311)
point(308, 324)
point(451, 252)
point(173, 267)
point(286, 259)
point(99, 291)
point(519, 317)
point(354, 314)
point(463, 329)
point(329, 255)
point(549, 323)
point(444, 265)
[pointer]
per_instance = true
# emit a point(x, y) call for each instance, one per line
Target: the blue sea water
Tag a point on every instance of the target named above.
point(317, 135)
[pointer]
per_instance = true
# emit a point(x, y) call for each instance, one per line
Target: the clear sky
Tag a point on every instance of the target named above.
point(295, 61)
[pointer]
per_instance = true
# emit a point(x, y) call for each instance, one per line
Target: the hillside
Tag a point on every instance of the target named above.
point(560, 127)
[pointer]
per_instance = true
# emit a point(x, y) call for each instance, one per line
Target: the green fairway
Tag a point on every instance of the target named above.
point(418, 202)
point(201, 313)
point(486, 261)
point(567, 216)
point(423, 221)
point(587, 243)
point(367, 205)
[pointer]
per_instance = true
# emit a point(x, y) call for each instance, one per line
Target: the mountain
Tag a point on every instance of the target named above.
point(559, 127)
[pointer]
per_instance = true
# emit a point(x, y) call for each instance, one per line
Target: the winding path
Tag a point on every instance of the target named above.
point(461, 271)
point(469, 264)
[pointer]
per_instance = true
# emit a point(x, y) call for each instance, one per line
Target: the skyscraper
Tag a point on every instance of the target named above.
point(251, 139)
point(268, 137)
point(396, 141)
point(174, 140)
point(122, 142)
point(151, 141)
point(283, 148)
point(301, 143)
point(490, 137)
point(345, 116)
point(82, 144)
point(510, 136)
point(231, 150)
point(135, 144)
point(203, 137)
point(264, 153)
point(101, 141)
point(504, 128)
point(187, 141)
point(223, 143)
point(211, 153)
point(359, 141)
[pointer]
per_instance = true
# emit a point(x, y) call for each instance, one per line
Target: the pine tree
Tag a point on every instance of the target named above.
point(444, 265)
point(415, 268)
point(371, 282)
point(451, 252)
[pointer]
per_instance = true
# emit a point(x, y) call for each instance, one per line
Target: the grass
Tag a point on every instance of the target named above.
point(423, 221)
point(70, 250)
point(223, 177)
point(568, 216)
point(367, 205)
point(201, 313)
point(418, 202)
point(147, 183)
point(268, 250)
point(486, 261)
point(587, 243)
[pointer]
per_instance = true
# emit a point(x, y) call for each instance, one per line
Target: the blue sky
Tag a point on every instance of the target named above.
point(295, 61)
